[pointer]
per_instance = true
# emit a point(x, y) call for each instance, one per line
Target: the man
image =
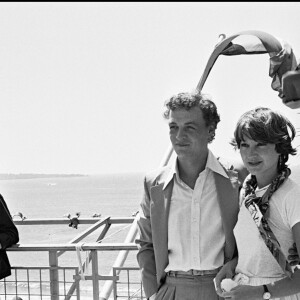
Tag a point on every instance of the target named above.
point(189, 209)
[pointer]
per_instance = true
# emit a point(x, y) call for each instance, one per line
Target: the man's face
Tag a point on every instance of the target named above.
point(188, 132)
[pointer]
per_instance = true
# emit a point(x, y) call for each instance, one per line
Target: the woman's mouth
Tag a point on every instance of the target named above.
point(254, 163)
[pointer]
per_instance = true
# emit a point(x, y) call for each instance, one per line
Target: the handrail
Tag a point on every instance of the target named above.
point(72, 247)
point(60, 221)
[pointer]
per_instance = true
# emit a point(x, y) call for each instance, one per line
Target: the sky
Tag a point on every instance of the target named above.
point(82, 84)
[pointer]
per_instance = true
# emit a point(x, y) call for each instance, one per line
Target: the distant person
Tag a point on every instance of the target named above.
point(269, 217)
point(189, 208)
point(8, 236)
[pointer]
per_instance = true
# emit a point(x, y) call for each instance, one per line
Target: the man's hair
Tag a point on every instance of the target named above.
point(265, 125)
point(194, 99)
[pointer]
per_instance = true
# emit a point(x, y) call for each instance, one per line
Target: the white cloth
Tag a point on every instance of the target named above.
point(195, 235)
point(255, 259)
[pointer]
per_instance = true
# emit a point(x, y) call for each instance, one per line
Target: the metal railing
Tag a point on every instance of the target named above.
point(127, 287)
point(76, 280)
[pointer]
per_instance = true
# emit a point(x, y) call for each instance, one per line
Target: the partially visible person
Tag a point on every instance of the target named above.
point(8, 236)
point(269, 217)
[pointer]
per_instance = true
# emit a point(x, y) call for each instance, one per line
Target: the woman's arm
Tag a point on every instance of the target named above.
point(280, 288)
point(288, 286)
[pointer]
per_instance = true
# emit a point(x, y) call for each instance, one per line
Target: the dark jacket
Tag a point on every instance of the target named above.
point(8, 236)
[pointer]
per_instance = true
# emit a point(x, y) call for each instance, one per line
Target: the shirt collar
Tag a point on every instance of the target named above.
point(212, 163)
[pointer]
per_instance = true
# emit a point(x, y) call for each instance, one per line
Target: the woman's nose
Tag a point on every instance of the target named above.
point(252, 151)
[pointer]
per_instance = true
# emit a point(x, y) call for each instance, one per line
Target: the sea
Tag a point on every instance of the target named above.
point(114, 195)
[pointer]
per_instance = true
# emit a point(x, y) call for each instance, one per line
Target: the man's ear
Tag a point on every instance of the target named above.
point(211, 132)
point(211, 128)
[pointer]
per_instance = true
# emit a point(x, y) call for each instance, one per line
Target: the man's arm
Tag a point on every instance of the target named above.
point(8, 231)
point(227, 271)
point(145, 255)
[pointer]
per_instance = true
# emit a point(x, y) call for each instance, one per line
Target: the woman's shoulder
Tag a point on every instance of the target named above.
point(295, 173)
point(287, 198)
point(291, 186)
point(287, 194)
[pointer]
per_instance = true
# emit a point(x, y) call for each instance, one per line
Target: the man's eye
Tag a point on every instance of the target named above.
point(244, 145)
point(261, 144)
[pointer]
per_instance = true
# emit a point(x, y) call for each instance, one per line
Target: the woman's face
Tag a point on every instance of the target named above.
point(260, 159)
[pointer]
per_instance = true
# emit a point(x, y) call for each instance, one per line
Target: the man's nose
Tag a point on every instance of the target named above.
point(180, 134)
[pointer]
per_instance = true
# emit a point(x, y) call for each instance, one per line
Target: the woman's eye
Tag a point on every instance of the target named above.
point(243, 145)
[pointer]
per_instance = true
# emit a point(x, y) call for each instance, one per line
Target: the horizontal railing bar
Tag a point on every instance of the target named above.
point(72, 247)
point(99, 277)
point(58, 221)
point(44, 268)
point(126, 268)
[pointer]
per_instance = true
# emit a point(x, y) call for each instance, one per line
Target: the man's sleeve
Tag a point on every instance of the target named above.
point(145, 255)
point(8, 231)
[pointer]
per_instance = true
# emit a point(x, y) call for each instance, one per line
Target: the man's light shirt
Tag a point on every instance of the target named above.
point(195, 234)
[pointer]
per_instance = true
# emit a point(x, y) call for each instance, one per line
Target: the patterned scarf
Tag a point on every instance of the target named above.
point(258, 208)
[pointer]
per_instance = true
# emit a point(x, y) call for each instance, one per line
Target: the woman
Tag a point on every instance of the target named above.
point(8, 236)
point(269, 217)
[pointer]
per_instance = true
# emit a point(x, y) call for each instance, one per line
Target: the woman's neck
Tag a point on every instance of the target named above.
point(263, 181)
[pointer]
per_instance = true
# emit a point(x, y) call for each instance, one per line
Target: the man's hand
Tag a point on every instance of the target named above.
point(227, 271)
point(293, 257)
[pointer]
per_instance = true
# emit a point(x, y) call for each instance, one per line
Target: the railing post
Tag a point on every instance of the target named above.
point(54, 283)
point(119, 262)
point(115, 284)
point(95, 275)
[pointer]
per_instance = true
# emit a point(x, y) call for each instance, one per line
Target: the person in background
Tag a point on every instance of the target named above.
point(8, 236)
point(269, 217)
point(189, 208)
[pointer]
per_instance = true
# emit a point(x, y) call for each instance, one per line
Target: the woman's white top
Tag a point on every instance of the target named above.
point(255, 259)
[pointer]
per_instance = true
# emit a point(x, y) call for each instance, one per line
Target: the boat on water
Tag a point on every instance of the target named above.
point(55, 277)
